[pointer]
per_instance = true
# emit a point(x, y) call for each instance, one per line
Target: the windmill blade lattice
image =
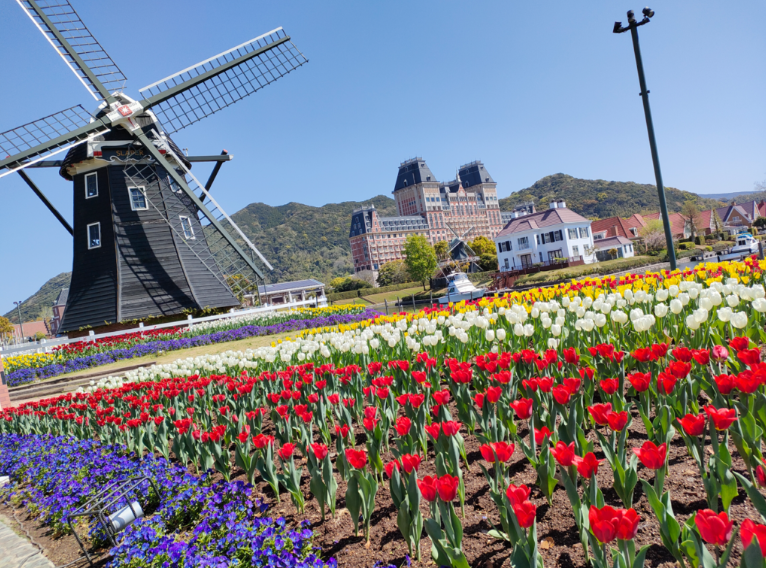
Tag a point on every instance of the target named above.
point(58, 21)
point(51, 134)
point(222, 80)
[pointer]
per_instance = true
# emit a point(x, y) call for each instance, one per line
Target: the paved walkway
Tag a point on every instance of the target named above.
point(18, 552)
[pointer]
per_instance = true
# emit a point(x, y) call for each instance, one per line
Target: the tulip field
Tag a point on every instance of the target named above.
point(610, 422)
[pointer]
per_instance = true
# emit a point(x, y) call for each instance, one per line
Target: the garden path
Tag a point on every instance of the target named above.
point(18, 552)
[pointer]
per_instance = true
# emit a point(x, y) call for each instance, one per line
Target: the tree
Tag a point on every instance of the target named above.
point(717, 223)
point(367, 277)
point(488, 262)
point(420, 258)
point(347, 283)
point(760, 222)
point(690, 213)
point(441, 248)
point(394, 272)
point(40, 335)
point(653, 235)
point(482, 245)
point(613, 253)
point(6, 327)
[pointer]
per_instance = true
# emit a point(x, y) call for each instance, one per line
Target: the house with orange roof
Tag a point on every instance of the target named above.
point(629, 228)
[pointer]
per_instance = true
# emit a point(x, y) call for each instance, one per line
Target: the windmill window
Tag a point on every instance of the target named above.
point(187, 227)
point(94, 235)
point(137, 198)
point(91, 185)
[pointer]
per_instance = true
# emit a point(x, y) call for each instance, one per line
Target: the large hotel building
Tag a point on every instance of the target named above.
point(468, 205)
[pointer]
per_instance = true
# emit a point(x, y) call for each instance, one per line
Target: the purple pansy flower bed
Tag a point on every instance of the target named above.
point(194, 523)
point(22, 376)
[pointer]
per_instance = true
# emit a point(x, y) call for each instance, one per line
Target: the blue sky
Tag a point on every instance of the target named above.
point(530, 88)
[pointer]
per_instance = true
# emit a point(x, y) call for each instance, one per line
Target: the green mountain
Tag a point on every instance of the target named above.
point(599, 199)
point(38, 305)
point(305, 242)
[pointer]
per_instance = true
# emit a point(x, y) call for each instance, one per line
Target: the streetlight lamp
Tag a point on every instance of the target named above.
point(633, 27)
point(21, 326)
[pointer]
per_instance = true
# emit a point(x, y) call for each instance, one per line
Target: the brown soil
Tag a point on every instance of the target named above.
point(557, 533)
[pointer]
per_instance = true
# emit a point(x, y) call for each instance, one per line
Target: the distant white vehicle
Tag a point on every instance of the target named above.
point(746, 243)
point(461, 288)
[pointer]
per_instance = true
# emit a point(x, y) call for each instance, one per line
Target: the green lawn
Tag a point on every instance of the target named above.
point(392, 296)
point(596, 268)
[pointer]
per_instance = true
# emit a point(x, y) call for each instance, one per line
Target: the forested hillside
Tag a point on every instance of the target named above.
point(598, 199)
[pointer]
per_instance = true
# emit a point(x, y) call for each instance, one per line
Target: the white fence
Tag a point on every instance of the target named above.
point(47, 345)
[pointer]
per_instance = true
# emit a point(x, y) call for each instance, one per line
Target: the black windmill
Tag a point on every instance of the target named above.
point(149, 240)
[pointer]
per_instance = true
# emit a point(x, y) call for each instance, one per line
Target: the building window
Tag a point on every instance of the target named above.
point(187, 228)
point(572, 233)
point(583, 232)
point(507, 266)
point(598, 236)
point(523, 243)
point(576, 250)
point(541, 256)
point(91, 185)
point(94, 235)
point(137, 198)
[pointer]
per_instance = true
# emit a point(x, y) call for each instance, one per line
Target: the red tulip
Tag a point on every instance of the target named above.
point(313, 398)
point(609, 386)
point(374, 367)
point(719, 353)
point(722, 418)
point(522, 408)
point(517, 494)
point(446, 486)
point(640, 381)
point(564, 454)
point(586, 372)
point(410, 462)
point(682, 354)
point(666, 382)
point(599, 412)
point(402, 399)
point(342, 431)
point(333, 398)
point(571, 356)
point(357, 458)
point(714, 528)
point(243, 436)
point(751, 530)
point(651, 455)
point(390, 467)
point(260, 441)
point(628, 526)
point(417, 399)
point(604, 523)
point(545, 384)
point(450, 427)
point(427, 487)
point(403, 425)
point(320, 450)
point(659, 350)
point(749, 357)
point(739, 343)
point(572, 385)
point(541, 434)
point(642, 354)
point(561, 395)
point(747, 382)
point(760, 476)
point(725, 383)
point(434, 430)
point(286, 451)
point(617, 420)
point(693, 425)
point(479, 399)
point(679, 369)
point(370, 423)
point(587, 465)
point(494, 393)
point(525, 513)
point(441, 397)
point(701, 356)
point(503, 450)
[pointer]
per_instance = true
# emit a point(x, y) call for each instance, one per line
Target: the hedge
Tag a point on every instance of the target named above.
point(370, 291)
point(595, 268)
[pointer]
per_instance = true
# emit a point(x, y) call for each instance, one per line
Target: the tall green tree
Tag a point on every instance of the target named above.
point(441, 248)
point(482, 245)
point(394, 272)
point(690, 213)
point(420, 258)
point(6, 328)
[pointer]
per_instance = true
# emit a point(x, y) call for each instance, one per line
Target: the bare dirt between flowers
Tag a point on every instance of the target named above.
point(558, 539)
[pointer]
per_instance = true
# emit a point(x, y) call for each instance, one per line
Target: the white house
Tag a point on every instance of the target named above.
point(622, 246)
point(544, 237)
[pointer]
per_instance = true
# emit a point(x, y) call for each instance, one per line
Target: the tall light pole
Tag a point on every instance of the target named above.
point(21, 326)
point(633, 27)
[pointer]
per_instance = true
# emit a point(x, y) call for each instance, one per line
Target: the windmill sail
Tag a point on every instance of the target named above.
point(47, 136)
point(59, 23)
point(211, 85)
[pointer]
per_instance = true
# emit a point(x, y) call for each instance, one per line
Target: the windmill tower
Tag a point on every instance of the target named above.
point(148, 237)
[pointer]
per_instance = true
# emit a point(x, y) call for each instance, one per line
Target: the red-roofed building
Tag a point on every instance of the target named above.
point(544, 237)
point(629, 228)
point(678, 227)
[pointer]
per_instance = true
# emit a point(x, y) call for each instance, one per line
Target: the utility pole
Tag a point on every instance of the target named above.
point(633, 27)
point(21, 326)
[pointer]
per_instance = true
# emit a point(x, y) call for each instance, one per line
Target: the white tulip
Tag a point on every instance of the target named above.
point(724, 314)
point(700, 315)
point(553, 343)
point(489, 335)
point(673, 290)
point(683, 297)
point(600, 320)
point(587, 324)
point(691, 322)
point(556, 330)
point(661, 310)
point(662, 294)
point(501, 334)
point(739, 320)
point(518, 330)
point(676, 306)
point(732, 300)
point(529, 330)
point(706, 303)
